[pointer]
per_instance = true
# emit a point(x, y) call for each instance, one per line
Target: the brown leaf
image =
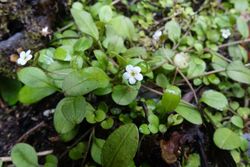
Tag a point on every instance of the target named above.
point(170, 148)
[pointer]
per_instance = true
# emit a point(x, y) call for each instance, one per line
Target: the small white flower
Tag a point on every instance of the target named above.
point(24, 57)
point(225, 33)
point(48, 112)
point(181, 60)
point(133, 74)
point(45, 31)
point(157, 35)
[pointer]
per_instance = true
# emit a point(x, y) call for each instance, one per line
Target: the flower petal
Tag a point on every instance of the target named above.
point(22, 55)
point(126, 75)
point(132, 80)
point(21, 61)
point(137, 69)
point(138, 77)
point(129, 68)
point(28, 57)
point(28, 52)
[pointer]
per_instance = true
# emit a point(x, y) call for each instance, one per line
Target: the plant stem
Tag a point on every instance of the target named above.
point(189, 84)
point(234, 43)
point(42, 153)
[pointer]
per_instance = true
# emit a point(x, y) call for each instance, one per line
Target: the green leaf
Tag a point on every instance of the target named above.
point(65, 137)
point(144, 129)
point(83, 44)
point(105, 13)
point(51, 161)
point(242, 27)
point(238, 72)
point(58, 71)
point(226, 139)
point(61, 123)
point(173, 30)
point(189, 113)
point(237, 52)
point(241, 5)
point(24, 155)
point(196, 67)
point(162, 81)
point(107, 124)
point(124, 95)
point(193, 160)
point(214, 99)
point(123, 27)
point(74, 109)
point(171, 98)
point(29, 95)
point(114, 43)
point(96, 149)
point(46, 57)
point(78, 151)
point(33, 77)
point(120, 147)
point(1, 163)
point(85, 22)
point(9, 89)
point(64, 53)
point(84, 81)
point(237, 121)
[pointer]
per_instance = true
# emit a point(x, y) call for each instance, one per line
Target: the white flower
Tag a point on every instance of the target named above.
point(157, 35)
point(181, 60)
point(45, 31)
point(133, 74)
point(48, 112)
point(24, 57)
point(225, 33)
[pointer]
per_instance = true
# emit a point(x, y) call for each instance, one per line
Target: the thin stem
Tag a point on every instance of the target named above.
point(234, 43)
point(204, 74)
point(65, 27)
point(26, 134)
point(152, 90)
point(189, 84)
point(76, 142)
point(88, 147)
point(40, 154)
point(115, 2)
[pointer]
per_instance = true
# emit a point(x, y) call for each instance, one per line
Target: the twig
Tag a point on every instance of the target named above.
point(88, 147)
point(234, 43)
point(189, 84)
point(152, 90)
point(26, 134)
point(76, 142)
point(115, 2)
point(65, 27)
point(204, 74)
point(40, 154)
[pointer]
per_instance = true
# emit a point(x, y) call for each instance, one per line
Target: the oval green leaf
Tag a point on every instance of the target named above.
point(226, 139)
point(74, 109)
point(124, 95)
point(24, 155)
point(96, 149)
point(214, 99)
point(171, 98)
point(84, 81)
point(29, 95)
point(61, 123)
point(189, 113)
point(33, 77)
point(85, 22)
point(120, 147)
point(238, 72)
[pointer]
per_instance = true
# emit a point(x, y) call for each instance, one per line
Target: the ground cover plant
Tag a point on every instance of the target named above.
point(140, 83)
